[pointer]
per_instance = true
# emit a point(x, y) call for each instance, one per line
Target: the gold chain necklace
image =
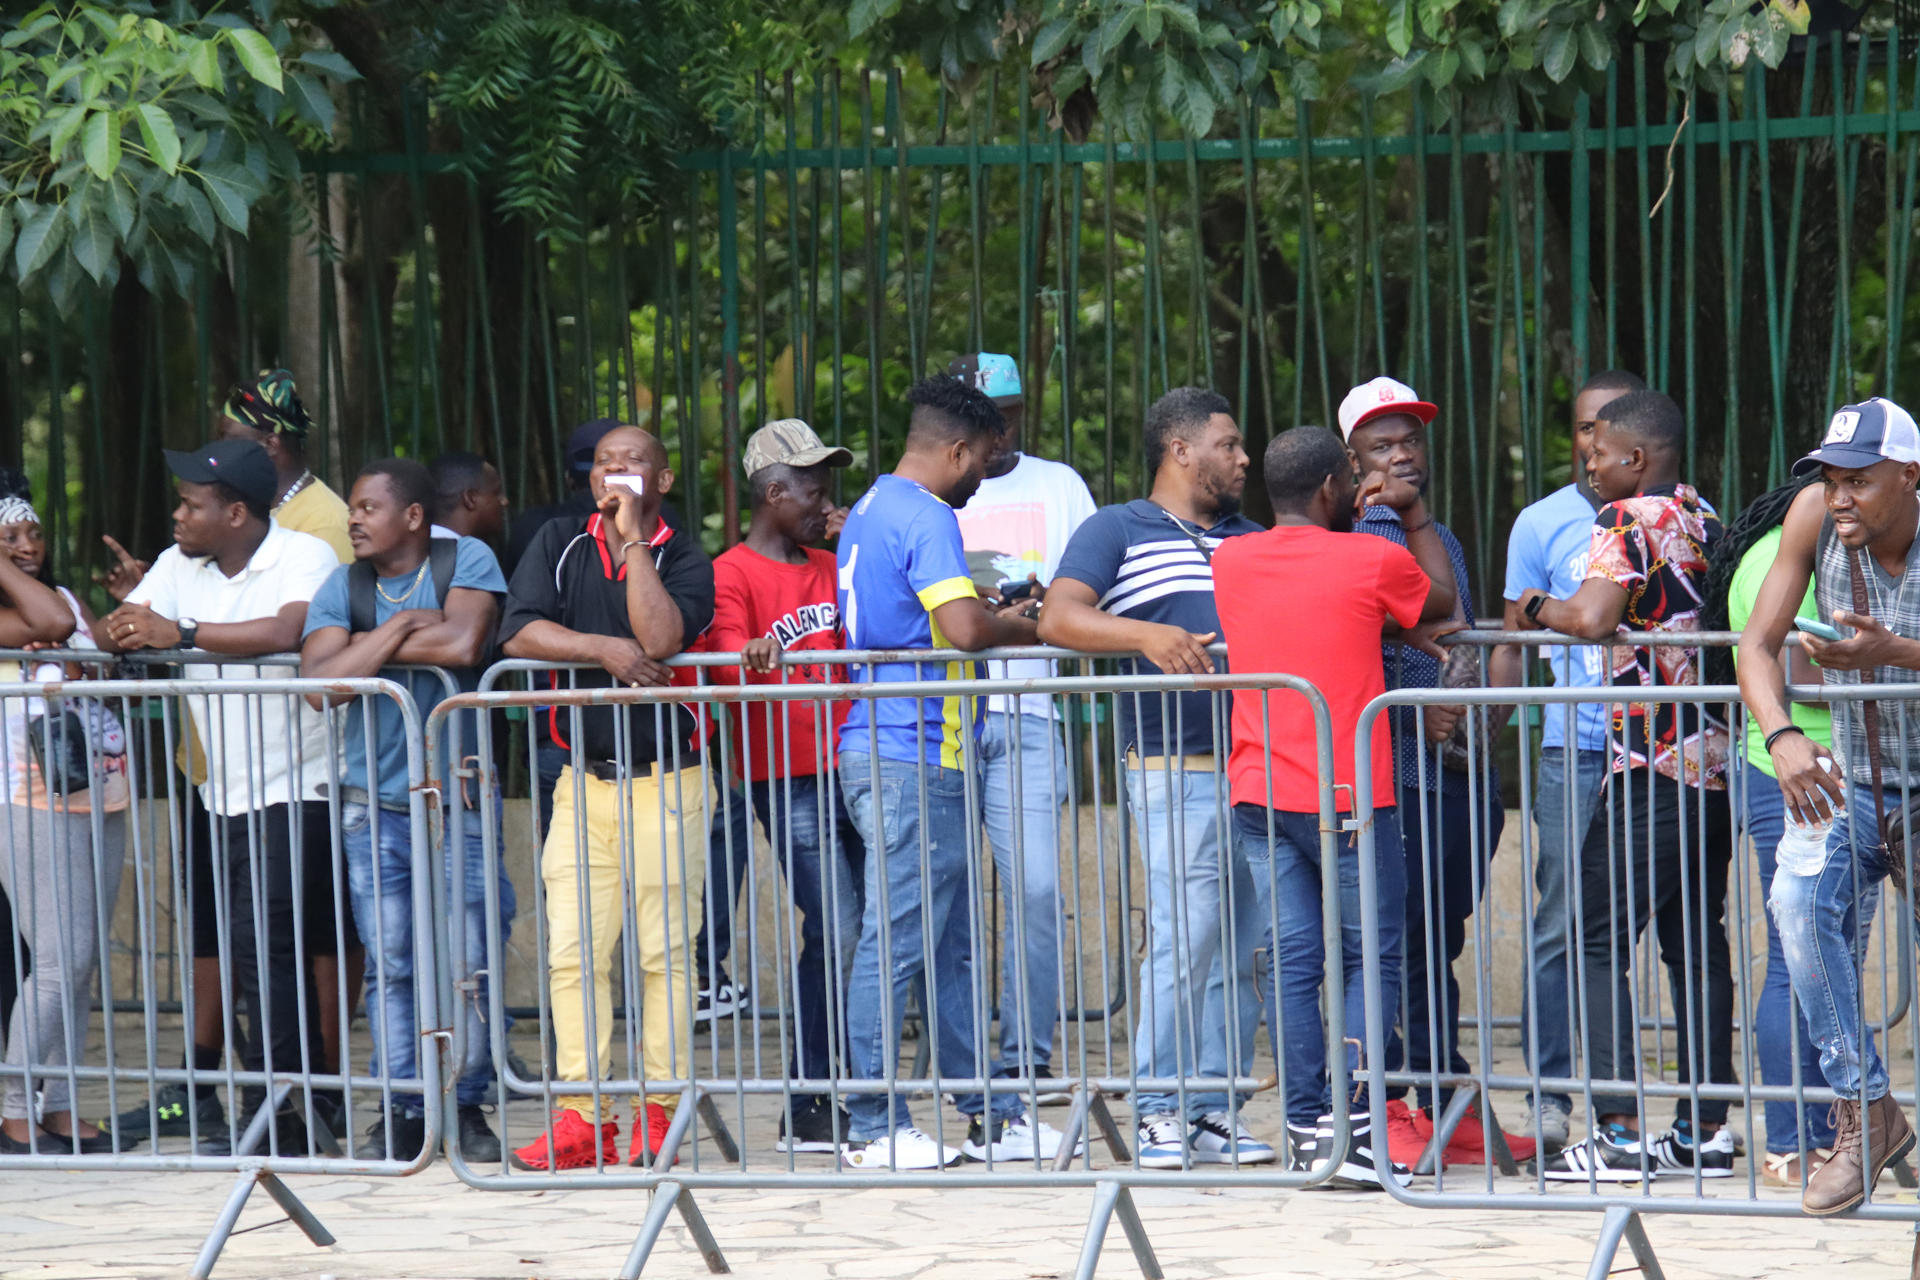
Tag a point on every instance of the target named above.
point(418, 577)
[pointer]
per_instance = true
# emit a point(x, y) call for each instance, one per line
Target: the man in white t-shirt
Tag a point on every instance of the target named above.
point(1015, 529)
point(235, 582)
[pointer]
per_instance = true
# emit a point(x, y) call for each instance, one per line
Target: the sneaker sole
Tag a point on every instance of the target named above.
point(1163, 1160)
point(1689, 1173)
point(809, 1147)
point(879, 1166)
point(1597, 1175)
point(1263, 1156)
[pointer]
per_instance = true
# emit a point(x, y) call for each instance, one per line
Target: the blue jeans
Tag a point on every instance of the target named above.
point(379, 850)
point(819, 877)
point(729, 860)
point(1823, 921)
point(1563, 803)
point(1199, 999)
point(913, 903)
point(1448, 851)
point(1775, 1028)
point(1287, 877)
point(1022, 790)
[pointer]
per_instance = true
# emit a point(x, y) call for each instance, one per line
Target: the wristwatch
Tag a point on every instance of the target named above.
point(1532, 609)
point(189, 629)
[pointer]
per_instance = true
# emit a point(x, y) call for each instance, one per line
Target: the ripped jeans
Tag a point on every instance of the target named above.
point(1823, 920)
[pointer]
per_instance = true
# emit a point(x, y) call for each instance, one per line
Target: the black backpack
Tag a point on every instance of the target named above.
point(361, 584)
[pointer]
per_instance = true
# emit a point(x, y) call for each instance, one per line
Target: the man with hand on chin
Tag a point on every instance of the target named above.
point(1664, 826)
point(622, 590)
point(1853, 536)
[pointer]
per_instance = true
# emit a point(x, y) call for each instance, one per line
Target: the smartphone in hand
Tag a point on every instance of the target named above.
point(1817, 629)
point(636, 484)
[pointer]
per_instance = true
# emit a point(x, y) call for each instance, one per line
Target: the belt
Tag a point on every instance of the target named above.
point(609, 770)
point(1205, 763)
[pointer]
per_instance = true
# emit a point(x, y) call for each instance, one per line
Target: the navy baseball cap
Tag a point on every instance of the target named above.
point(241, 465)
point(1876, 430)
point(584, 440)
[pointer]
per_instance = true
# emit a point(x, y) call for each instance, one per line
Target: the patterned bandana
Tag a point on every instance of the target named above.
point(17, 510)
point(270, 403)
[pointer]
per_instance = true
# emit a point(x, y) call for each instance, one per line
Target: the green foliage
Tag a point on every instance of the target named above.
point(128, 137)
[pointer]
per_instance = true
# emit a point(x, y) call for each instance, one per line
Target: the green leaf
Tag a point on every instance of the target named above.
point(1433, 17)
point(158, 136)
point(1398, 74)
point(6, 228)
point(1594, 47)
point(32, 31)
point(1443, 67)
point(92, 246)
point(1706, 41)
point(228, 198)
point(100, 144)
point(1305, 77)
point(1517, 15)
point(311, 101)
point(256, 55)
point(120, 206)
point(1199, 112)
point(1116, 29)
point(1400, 27)
point(63, 132)
point(1051, 40)
point(1150, 23)
point(203, 64)
point(193, 208)
point(39, 240)
point(1558, 51)
point(327, 62)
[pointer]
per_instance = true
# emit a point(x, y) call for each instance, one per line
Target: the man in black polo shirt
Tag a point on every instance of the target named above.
point(620, 589)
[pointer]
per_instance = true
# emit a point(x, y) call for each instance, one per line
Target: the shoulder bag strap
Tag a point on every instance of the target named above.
point(1869, 709)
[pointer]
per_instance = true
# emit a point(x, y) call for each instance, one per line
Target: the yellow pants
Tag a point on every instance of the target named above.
point(655, 844)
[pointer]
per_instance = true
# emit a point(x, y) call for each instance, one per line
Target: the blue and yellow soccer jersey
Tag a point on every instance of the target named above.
point(900, 559)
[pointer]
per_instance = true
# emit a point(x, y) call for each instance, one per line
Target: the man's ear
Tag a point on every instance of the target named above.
point(236, 514)
point(663, 480)
point(416, 516)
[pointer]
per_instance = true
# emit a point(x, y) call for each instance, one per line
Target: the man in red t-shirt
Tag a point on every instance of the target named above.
point(1308, 598)
point(775, 594)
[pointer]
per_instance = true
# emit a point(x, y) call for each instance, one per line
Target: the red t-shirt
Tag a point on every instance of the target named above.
point(1311, 603)
point(798, 605)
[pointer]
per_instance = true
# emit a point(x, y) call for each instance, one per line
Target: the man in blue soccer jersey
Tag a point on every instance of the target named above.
point(904, 584)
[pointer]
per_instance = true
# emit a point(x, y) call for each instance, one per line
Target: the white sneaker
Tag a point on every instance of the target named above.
point(1161, 1142)
point(1220, 1138)
point(901, 1149)
point(1021, 1138)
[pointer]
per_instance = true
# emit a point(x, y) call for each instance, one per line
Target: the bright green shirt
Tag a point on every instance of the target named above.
point(1817, 721)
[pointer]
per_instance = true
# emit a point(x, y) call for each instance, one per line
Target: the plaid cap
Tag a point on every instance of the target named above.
point(792, 443)
point(1876, 430)
point(270, 403)
point(996, 377)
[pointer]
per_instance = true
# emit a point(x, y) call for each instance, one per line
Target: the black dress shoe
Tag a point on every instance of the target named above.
point(406, 1134)
point(55, 1144)
point(478, 1142)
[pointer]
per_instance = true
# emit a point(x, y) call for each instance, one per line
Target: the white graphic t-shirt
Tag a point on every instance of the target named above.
point(1017, 527)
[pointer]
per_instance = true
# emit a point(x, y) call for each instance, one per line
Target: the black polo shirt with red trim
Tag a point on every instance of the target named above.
point(573, 574)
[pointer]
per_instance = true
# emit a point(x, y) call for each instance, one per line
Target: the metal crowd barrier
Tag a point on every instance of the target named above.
point(98, 831)
point(743, 1065)
point(1501, 1065)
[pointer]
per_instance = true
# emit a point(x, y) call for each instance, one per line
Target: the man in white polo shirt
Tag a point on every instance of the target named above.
point(237, 583)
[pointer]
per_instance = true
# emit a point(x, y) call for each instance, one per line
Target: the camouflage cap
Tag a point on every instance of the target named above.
point(790, 443)
point(269, 403)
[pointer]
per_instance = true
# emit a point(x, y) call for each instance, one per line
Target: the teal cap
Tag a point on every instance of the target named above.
point(994, 376)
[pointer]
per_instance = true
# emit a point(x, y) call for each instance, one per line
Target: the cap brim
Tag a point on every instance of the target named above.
point(832, 456)
point(188, 465)
point(1837, 456)
point(1418, 408)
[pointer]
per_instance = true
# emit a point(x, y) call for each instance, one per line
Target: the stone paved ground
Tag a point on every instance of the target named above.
point(99, 1226)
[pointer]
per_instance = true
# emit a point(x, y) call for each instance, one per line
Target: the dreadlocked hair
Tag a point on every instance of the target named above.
point(1762, 516)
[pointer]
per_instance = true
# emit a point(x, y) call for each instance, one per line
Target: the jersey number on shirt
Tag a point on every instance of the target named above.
point(846, 585)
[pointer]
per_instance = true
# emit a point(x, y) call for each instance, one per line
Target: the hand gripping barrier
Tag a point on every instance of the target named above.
point(620, 895)
point(103, 842)
point(1659, 856)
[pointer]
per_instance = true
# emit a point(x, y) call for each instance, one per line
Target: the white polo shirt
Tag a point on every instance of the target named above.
point(261, 749)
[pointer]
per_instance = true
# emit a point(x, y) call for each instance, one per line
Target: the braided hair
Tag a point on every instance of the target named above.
point(1762, 516)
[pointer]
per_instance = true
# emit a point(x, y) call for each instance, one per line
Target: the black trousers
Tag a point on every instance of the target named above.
point(279, 873)
point(1657, 851)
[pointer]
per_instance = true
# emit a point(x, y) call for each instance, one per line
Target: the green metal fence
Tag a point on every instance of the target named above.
point(1746, 250)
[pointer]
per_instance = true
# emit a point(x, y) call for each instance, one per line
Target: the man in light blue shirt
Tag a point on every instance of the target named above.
point(1547, 551)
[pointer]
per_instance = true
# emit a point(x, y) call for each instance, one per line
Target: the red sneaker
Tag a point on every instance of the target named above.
point(1408, 1132)
point(655, 1137)
point(1469, 1144)
point(574, 1146)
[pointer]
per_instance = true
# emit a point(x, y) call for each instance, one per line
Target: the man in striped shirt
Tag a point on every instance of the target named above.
point(1138, 578)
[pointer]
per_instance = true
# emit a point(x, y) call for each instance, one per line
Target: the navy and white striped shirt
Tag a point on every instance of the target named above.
point(1409, 668)
point(1142, 562)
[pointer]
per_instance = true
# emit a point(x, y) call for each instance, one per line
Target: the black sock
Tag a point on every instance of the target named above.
point(206, 1059)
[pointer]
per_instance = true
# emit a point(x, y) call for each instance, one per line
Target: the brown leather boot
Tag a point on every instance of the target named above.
point(1842, 1182)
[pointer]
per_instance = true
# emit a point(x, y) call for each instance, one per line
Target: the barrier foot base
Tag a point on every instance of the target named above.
point(296, 1211)
point(1622, 1223)
point(668, 1197)
point(1102, 1116)
point(1109, 1198)
point(1076, 1124)
point(717, 1129)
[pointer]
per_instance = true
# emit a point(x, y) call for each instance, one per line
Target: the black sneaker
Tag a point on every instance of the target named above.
point(1357, 1170)
point(1613, 1153)
point(168, 1115)
point(408, 1134)
point(1301, 1147)
point(719, 1001)
point(1048, 1090)
point(818, 1128)
point(478, 1142)
point(1677, 1155)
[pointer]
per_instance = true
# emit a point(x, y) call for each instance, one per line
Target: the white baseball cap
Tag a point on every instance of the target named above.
point(1382, 396)
point(1876, 430)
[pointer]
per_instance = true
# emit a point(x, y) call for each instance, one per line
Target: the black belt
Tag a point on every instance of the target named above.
point(609, 770)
